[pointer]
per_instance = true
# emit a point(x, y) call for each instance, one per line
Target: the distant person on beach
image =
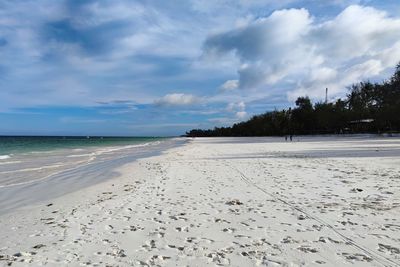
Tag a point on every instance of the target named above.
point(291, 137)
point(286, 138)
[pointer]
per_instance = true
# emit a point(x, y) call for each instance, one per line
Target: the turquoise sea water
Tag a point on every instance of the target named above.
point(38, 168)
point(25, 144)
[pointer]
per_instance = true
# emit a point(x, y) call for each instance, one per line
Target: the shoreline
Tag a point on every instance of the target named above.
point(225, 201)
point(94, 166)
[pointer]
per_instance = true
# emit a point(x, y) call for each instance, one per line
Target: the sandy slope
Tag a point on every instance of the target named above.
point(226, 201)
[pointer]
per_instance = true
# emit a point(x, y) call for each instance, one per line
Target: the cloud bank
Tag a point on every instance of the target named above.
point(177, 100)
point(292, 47)
point(125, 62)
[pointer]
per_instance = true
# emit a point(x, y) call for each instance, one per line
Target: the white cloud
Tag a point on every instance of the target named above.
point(323, 74)
point(230, 85)
point(290, 48)
point(222, 121)
point(72, 120)
point(236, 106)
point(241, 114)
point(80, 52)
point(238, 109)
point(356, 32)
point(162, 125)
point(177, 100)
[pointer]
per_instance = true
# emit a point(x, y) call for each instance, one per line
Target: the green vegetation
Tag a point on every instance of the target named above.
point(368, 108)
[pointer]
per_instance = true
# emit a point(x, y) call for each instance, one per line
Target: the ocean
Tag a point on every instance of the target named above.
point(35, 168)
point(25, 144)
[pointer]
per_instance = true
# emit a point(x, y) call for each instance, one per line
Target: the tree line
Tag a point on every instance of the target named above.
point(367, 108)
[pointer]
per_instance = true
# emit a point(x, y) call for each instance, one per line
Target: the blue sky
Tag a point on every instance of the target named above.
point(119, 67)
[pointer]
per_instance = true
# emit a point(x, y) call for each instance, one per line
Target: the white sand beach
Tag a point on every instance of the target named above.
point(317, 201)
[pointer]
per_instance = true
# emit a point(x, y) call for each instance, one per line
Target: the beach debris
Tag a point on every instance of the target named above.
point(234, 202)
point(49, 205)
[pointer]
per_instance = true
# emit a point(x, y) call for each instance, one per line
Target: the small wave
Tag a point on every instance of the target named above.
point(42, 178)
point(4, 157)
point(29, 182)
point(101, 151)
point(10, 162)
point(80, 155)
point(33, 169)
point(117, 148)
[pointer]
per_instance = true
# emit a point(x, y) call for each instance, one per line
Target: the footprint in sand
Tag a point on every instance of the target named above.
point(229, 230)
point(307, 249)
point(356, 257)
point(218, 258)
point(182, 229)
point(388, 248)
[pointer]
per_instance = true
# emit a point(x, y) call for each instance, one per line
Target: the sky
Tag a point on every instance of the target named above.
point(160, 68)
